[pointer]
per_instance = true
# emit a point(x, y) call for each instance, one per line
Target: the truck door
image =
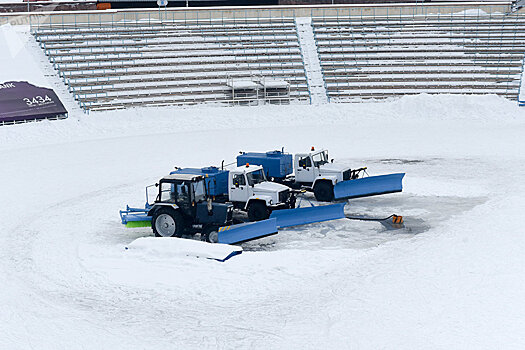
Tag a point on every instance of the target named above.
point(238, 188)
point(304, 171)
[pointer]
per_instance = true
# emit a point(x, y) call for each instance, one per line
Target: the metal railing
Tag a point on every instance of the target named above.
point(144, 17)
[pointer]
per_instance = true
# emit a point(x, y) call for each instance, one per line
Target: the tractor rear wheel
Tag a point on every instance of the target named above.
point(258, 211)
point(166, 222)
point(324, 191)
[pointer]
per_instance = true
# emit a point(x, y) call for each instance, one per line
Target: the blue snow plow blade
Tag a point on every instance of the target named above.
point(240, 233)
point(369, 186)
point(308, 215)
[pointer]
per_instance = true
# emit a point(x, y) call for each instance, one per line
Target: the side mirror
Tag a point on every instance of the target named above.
point(332, 160)
point(157, 184)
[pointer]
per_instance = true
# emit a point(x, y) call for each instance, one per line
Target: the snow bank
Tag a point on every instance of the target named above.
point(163, 248)
point(475, 12)
point(411, 111)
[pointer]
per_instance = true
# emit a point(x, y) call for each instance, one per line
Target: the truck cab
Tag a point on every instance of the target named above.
point(314, 166)
point(249, 190)
point(316, 170)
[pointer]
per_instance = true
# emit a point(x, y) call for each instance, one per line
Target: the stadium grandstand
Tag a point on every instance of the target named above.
point(114, 59)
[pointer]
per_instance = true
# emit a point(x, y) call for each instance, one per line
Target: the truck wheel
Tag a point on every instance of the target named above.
point(210, 234)
point(167, 223)
point(258, 211)
point(324, 191)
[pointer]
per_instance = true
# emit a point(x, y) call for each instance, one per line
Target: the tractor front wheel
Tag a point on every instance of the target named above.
point(166, 222)
point(210, 234)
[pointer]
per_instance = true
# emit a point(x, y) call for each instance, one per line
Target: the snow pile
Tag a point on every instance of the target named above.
point(162, 248)
point(419, 111)
point(475, 12)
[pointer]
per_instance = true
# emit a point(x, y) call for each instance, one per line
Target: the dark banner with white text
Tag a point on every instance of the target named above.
point(20, 100)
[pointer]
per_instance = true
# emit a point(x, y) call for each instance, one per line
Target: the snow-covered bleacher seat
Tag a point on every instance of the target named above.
point(382, 56)
point(119, 65)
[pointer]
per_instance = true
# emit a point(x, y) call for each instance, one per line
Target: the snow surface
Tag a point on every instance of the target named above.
point(17, 60)
point(454, 279)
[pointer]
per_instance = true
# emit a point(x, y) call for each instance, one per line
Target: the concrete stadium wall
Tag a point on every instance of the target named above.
point(254, 12)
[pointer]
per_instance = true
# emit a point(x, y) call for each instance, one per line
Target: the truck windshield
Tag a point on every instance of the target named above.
point(320, 158)
point(255, 177)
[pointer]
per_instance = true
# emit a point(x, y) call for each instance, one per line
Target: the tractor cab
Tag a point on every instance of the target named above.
point(183, 190)
point(182, 204)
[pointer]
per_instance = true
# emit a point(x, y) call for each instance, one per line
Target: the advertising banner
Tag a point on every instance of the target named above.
point(20, 100)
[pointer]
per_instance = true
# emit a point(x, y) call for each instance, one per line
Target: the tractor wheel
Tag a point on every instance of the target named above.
point(166, 222)
point(210, 234)
point(258, 211)
point(324, 191)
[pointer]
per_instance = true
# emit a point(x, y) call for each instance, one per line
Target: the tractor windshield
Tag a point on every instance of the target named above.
point(199, 191)
point(174, 192)
point(256, 177)
point(320, 158)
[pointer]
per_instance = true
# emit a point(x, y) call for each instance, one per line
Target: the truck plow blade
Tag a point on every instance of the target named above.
point(240, 233)
point(308, 215)
point(369, 186)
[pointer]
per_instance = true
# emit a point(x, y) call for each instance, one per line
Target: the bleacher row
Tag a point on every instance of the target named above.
point(130, 64)
point(382, 57)
point(120, 66)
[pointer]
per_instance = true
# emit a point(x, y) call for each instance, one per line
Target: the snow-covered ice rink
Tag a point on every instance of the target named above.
point(453, 280)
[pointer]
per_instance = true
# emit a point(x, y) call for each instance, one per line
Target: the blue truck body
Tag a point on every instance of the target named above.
point(216, 179)
point(276, 164)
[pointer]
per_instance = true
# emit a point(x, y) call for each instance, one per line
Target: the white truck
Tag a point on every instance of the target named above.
point(247, 188)
point(315, 172)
